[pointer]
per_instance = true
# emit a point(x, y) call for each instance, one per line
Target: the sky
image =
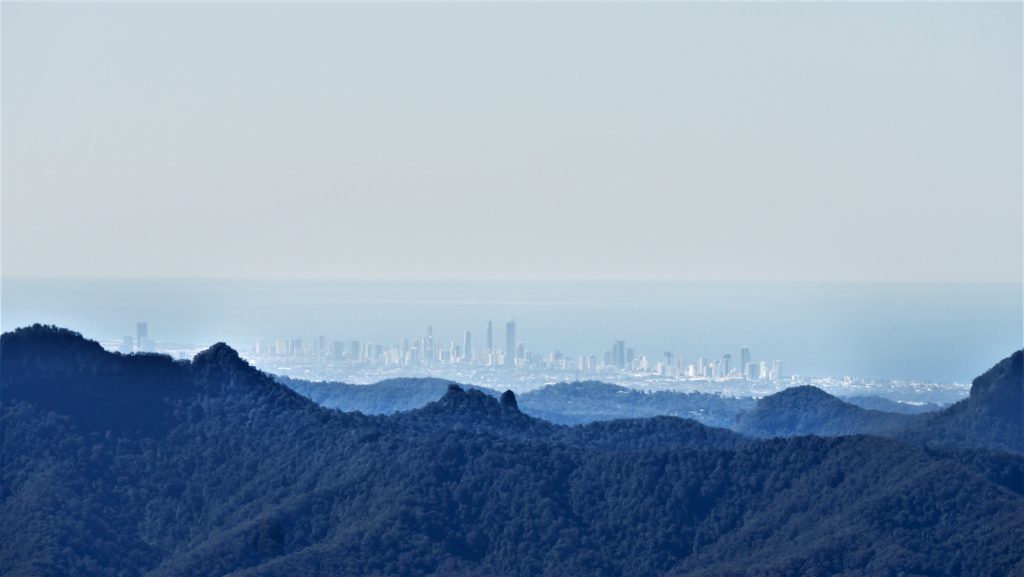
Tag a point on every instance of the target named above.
point(762, 142)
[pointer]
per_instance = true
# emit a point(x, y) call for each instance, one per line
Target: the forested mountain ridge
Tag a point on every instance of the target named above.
point(241, 476)
point(808, 410)
point(588, 401)
point(796, 411)
point(566, 403)
point(381, 398)
point(992, 416)
point(572, 403)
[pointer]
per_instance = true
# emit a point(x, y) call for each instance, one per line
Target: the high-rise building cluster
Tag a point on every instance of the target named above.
point(513, 354)
point(141, 342)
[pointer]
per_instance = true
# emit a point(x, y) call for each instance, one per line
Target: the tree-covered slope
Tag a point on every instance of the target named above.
point(241, 476)
point(807, 410)
point(562, 403)
point(992, 416)
point(589, 401)
point(381, 398)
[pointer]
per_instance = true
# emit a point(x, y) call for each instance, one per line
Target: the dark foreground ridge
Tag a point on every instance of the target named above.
point(992, 416)
point(141, 465)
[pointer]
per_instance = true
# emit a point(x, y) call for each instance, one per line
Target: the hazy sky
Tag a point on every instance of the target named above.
point(682, 141)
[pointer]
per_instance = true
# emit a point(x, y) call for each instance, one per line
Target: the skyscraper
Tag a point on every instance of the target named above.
point(619, 354)
point(510, 344)
point(467, 347)
point(744, 358)
point(753, 372)
point(141, 336)
point(490, 336)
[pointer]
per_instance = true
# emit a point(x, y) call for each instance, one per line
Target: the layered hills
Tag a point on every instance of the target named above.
point(564, 403)
point(142, 465)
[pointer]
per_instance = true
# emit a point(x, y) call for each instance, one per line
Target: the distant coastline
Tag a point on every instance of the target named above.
point(926, 331)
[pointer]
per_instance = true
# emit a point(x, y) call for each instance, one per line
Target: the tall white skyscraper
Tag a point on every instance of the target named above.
point(619, 354)
point(142, 336)
point(510, 344)
point(751, 372)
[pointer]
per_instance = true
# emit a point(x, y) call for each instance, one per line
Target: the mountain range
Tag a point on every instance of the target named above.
point(802, 410)
point(567, 403)
point(143, 465)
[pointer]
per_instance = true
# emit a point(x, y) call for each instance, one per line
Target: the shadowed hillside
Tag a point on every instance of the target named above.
point(590, 401)
point(562, 403)
point(233, 473)
point(992, 416)
point(809, 410)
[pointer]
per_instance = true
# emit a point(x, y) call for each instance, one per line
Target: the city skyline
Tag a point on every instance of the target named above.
point(406, 352)
point(364, 362)
point(933, 332)
point(425, 351)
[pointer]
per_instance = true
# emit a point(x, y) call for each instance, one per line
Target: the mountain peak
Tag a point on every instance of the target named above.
point(51, 349)
point(219, 354)
point(471, 401)
point(999, 391)
point(221, 359)
point(219, 370)
point(808, 410)
point(471, 409)
point(466, 400)
point(508, 401)
point(798, 395)
point(40, 336)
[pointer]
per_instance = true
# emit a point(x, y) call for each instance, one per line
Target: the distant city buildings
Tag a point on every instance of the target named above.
point(357, 361)
point(142, 337)
point(618, 356)
point(425, 351)
point(618, 361)
point(510, 344)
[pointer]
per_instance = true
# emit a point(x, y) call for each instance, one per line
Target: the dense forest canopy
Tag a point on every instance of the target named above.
point(142, 465)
